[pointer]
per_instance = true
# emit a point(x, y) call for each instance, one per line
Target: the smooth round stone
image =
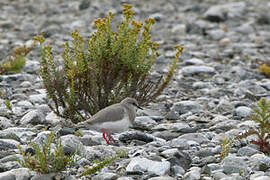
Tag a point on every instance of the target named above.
point(31, 67)
point(179, 143)
point(187, 106)
point(243, 111)
point(8, 175)
point(125, 178)
point(33, 117)
point(196, 70)
point(162, 178)
point(193, 61)
point(144, 122)
point(25, 104)
point(245, 28)
point(197, 137)
point(7, 144)
point(72, 143)
point(193, 174)
point(26, 84)
point(262, 178)
point(142, 165)
point(225, 41)
point(233, 164)
point(261, 161)
point(106, 176)
point(256, 175)
point(216, 34)
point(179, 29)
point(38, 98)
point(5, 123)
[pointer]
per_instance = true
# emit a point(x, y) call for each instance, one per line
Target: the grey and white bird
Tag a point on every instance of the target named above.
point(114, 118)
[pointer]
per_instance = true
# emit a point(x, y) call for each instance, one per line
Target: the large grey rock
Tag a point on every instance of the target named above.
point(216, 34)
point(33, 117)
point(224, 106)
point(100, 152)
point(25, 104)
point(262, 178)
point(197, 137)
point(142, 165)
point(187, 106)
point(219, 13)
point(247, 151)
point(31, 67)
point(265, 84)
point(39, 176)
point(193, 174)
point(177, 158)
point(7, 176)
point(5, 123)
point(260, 161)
point(193, 61)
point(106, 176)
point(72, 143)
point(16, 174)
point(52, 119)
point(180, 143)
point(91, 140)
point(125, 178)
point(233, 164)
point(178, 127)
point(243, 111)
point(245, 28)
point(19, 77)
point(162, 178)
point(9, 165)
point(38, 98)
point(7, 144)
point(197, 70)
point(136, 135)
point(24, 134)
point(179, 29)
point(144, 122)
point(42, 137)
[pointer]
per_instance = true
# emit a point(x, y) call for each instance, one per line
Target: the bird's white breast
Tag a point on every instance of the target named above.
point(114, 126)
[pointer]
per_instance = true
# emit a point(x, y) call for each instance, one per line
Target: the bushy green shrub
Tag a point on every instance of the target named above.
point(262, 131)
point(105, 68)
point(46, 160)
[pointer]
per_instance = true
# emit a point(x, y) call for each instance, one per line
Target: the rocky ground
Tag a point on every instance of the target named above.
point(210, 98)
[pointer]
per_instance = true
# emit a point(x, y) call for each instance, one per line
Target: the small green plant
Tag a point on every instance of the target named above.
point(16, 61)
point(226, 147)
point(44, 159)
point(103, 163)
point(8, 104)
point(105, 68)
point(262, 131)
point(79, 133)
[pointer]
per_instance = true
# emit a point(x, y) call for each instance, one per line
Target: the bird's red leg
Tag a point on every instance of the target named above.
point(110, 140)
point(104, 136)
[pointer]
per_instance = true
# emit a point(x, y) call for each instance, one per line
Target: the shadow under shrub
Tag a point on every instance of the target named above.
point(105, 68)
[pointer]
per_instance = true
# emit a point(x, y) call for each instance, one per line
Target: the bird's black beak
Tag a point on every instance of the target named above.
point(139, 107)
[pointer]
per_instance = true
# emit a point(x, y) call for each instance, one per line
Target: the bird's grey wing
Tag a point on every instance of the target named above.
point(109, 114)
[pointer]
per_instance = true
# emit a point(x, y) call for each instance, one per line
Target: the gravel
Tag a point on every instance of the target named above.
point(179, 136)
